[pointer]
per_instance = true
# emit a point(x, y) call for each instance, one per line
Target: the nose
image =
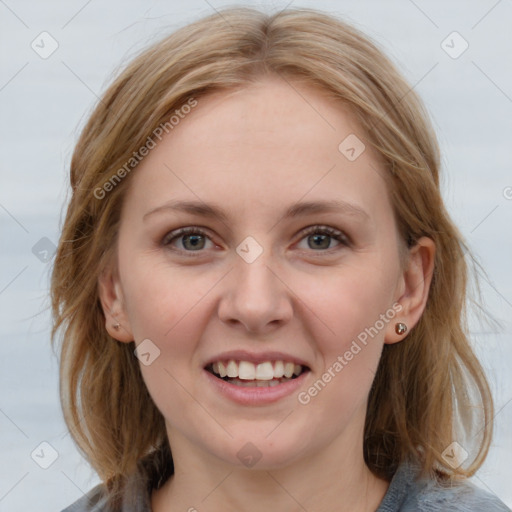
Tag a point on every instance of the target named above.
point(255, 297)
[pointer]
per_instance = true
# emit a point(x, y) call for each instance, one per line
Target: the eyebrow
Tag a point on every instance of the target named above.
point(295, 210)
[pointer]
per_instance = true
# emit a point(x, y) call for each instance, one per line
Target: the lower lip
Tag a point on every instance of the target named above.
point(255, 395)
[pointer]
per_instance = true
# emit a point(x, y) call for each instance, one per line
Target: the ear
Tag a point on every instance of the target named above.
point(112, 302)
point(414, 288)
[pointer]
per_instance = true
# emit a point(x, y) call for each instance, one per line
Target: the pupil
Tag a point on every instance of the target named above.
point(320, 241)
point(319, 237)
point(195, 240)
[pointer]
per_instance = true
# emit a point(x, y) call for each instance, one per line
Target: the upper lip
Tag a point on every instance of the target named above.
point(256, 358)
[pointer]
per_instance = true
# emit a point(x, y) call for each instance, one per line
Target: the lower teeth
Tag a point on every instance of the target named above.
point(257, 383)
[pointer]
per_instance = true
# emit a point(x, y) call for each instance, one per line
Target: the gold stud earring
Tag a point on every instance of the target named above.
point(400, 328)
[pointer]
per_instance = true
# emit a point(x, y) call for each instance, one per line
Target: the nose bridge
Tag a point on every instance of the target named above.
point(255, 295)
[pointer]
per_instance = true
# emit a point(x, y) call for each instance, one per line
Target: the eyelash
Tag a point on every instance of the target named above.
point(322, 230)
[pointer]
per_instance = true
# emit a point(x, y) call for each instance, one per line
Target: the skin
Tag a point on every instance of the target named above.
point(255, 152)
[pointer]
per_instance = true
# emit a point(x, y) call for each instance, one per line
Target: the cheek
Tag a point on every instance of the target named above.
point(160, 300)
point(352, 311)
point(349, 301)
point(170, 307)
point(165, 306)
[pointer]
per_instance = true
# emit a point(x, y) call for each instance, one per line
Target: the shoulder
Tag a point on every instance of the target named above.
point(460, 497)
point(93, 501)
point(428, 495)
point(151, 471)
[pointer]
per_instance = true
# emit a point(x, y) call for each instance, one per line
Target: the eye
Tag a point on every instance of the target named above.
point(193, 239)
point(320, 237)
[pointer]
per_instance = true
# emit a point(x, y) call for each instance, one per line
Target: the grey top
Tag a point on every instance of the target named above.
point(405, 494)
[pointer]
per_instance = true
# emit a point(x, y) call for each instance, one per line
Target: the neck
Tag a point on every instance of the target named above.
point(334, 478)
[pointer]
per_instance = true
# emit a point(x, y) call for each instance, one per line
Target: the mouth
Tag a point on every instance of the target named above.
point(261, 375)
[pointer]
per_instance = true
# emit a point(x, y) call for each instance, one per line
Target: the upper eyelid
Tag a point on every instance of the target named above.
point(330, 231)
point(179, 232)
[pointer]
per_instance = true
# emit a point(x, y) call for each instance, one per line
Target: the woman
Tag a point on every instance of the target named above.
point(260, 292)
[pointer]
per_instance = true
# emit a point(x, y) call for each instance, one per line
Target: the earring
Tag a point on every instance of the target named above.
point(400, 328)
point(116, 326)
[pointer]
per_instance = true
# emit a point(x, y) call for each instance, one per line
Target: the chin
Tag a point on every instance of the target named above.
point(263, 452)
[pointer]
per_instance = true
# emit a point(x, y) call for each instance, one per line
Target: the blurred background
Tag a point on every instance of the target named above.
point(57, 58)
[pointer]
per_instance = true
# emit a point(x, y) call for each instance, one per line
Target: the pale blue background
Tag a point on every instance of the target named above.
point(44, 102)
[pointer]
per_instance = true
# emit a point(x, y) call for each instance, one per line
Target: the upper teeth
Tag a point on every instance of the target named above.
point(246, 370)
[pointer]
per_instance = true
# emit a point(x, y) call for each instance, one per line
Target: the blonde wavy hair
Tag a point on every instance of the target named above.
point(429, 390)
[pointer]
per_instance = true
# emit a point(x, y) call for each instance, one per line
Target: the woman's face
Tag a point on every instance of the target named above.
point(260, 281)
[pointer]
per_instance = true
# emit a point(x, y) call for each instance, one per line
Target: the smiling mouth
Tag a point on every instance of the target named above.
point(247, 374)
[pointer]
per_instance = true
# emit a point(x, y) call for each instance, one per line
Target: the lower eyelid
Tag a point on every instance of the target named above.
point(341, 243)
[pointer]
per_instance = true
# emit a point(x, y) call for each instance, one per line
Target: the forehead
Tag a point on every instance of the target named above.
point(267, 145)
